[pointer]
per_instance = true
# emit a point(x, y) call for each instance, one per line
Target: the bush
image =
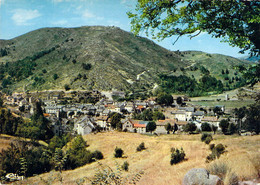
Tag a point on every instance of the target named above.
point(211, 146)
point(207, 138)
point(125, 166)
point(105, 175)
point(140, 147)
point(66, 87)
point(216, 152)
point(55, 76)
point(86, 66)
point(177, 155)
point(97, 155)
point(118, 152)
point(219, 149)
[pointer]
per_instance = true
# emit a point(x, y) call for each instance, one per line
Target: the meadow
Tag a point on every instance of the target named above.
point(242, 157)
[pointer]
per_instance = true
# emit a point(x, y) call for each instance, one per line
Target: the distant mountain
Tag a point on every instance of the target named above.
point(96, 57)
point(251, 59)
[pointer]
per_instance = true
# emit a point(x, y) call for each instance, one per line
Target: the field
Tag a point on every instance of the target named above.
point(242, 157)
point(5, 141)
point(227, 104)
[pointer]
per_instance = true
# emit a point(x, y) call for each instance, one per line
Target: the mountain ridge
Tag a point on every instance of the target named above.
point(114, 58)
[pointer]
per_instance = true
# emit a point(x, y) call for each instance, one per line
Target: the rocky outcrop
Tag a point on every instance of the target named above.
point(200, 176)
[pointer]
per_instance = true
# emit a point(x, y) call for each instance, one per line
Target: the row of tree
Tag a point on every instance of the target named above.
point(26, 159)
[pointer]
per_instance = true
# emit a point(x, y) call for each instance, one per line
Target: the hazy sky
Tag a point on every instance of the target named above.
point(18, 17)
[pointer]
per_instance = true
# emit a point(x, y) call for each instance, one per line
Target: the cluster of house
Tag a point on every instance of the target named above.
point(83, 118)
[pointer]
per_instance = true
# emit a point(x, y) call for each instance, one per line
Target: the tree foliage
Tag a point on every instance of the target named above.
point(116, 121)
point(224, 125)
point(190, 127)
point(25, 160)
point(78, 155)
point(165, 99)
point(118, 152)
point(151, 126)
point(235, 21)
point(205, 127)
point(149, 115)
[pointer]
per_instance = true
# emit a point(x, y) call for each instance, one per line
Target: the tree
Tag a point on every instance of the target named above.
point(1, 102)
point(179, 100)
point(66, 87)
point(168, 127)
point(205, 127)
point(214, 128)
point(217, 110)
point(77, 153)
point(232, 128)
point(224, 123)
point(116, 121)
point(190, 127)
point(237, 22)
point(151, 126)
point(86, 66)
point(158, 115)
point(118, 152)
point(147, 115)
point(55, 76)
point(165, 99)
point(252, 122)
point(175, 127)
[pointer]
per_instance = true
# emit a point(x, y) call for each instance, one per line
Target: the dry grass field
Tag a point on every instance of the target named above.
point(243, 157)
point(5, 141)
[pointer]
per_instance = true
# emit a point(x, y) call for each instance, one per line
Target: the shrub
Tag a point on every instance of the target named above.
point(105, 175)
point(118, 152)
point(86, 66)
point(211, 146)
point(125, 166)
point(207, 138)
point(140, 147)
point(66, 87)
point(219, 149)
point(216, 152)
point(177, 155)
point(97, 155)
point(55, 76)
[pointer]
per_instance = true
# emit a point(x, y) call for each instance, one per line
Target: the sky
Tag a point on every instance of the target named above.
point(18, 17)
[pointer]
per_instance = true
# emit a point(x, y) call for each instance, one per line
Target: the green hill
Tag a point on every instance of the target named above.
point(96, 57)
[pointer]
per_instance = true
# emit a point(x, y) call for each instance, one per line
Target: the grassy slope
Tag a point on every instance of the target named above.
point(155, 160)
point(213, 62)
point(116, 56)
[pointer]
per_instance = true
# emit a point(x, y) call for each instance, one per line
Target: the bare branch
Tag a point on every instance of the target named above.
point(195, 35)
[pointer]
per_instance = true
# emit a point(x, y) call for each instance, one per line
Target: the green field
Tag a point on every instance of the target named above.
point(228, 104)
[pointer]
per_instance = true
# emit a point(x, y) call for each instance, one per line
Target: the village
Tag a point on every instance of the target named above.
point(84, 112)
